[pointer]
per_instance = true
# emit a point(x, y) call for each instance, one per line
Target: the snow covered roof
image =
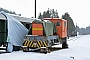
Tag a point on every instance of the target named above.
point(22, 19)
point(2, 17)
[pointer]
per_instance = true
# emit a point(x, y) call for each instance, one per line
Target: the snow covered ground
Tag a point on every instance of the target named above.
point(79, 49)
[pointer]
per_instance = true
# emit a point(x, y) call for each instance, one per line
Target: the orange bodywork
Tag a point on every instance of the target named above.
point(61, 26)
point(37, 29)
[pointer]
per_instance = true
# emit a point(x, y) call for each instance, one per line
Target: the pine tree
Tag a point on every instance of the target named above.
point(7, 11)
point(57, 14)
point(40, 16)
point(71, 26)
point(49, 14)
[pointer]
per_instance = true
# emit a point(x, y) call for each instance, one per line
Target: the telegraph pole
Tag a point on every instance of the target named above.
point(35, 8)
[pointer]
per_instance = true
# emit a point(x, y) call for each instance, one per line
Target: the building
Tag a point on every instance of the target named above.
point(13, 28)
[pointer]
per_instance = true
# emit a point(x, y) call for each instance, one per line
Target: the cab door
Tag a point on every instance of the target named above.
point(64, 28)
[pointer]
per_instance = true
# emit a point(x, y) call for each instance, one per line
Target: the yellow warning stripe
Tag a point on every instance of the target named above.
point(39, 44)
point(25, 44)
point(30, 43)
point(34, 46)
point(37, 28)
point(45, 44)
point(42, 44)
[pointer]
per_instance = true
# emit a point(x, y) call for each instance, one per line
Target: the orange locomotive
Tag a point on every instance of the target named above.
point(43, 35)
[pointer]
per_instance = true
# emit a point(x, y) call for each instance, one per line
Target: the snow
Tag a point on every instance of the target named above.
point(79, 48)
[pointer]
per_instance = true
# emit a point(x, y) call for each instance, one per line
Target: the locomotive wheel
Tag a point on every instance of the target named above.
point(25, 49)
point(41, 50)
point(49, 50)
point(64, 45)
point(45, 52)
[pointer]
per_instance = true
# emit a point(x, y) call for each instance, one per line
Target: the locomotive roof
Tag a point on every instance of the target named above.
point(22, 19)
point(53, 18)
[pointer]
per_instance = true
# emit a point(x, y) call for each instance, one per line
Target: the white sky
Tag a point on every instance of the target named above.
point(79, 10)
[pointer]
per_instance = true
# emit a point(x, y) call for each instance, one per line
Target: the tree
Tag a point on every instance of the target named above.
point(7, 11)
point(49, 14)
point(44, 14)
point(71, 26)
point(40, 16)
point(57, 14)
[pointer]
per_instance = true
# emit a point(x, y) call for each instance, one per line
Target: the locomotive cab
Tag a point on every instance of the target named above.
point(61, 26)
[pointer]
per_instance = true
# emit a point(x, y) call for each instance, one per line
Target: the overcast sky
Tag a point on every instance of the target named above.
point(79, 10)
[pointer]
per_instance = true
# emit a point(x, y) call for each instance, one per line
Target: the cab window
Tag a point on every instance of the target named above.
point(58, 23)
